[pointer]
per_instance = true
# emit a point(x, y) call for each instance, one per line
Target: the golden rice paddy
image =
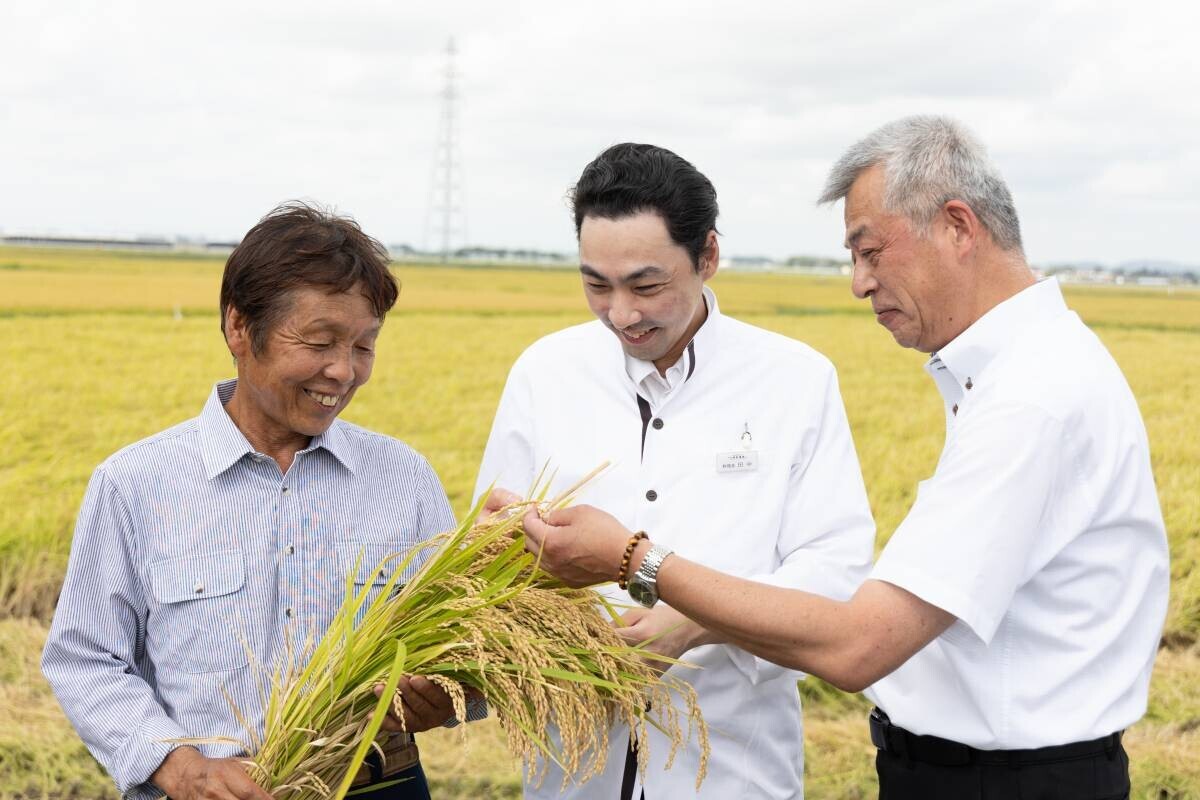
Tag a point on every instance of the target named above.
point(102, 349)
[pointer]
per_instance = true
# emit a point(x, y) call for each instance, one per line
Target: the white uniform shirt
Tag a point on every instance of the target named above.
point(1040, 530)
point(799, 518)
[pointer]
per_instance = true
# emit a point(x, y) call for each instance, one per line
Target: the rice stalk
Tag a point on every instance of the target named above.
point(479, 614)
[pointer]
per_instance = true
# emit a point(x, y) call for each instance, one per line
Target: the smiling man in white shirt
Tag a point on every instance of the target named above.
point(729, 442)
point(1011, 623)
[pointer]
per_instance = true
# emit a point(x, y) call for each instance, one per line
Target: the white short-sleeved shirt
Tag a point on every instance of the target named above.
point(679, 448)
point(1041, 531)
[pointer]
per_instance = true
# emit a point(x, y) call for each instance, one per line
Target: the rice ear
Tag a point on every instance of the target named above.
point(480, 613)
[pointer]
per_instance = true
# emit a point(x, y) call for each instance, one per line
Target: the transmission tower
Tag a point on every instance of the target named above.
point(445, 213)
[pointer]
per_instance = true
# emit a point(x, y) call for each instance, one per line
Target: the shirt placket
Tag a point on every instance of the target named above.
point(654, 490)
point(289, 541)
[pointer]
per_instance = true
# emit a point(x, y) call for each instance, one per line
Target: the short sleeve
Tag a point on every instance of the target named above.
point(973, 530)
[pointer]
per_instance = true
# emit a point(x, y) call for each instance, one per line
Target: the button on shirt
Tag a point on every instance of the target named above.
point(1040, 530)
point(793, 513)
point(191, 549)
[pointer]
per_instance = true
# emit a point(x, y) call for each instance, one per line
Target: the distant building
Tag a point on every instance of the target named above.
point(149, 243)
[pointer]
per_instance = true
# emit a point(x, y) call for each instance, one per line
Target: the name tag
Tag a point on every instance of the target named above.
point(737, 461)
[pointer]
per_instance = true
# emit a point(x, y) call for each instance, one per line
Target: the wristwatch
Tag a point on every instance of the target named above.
point(643, 586)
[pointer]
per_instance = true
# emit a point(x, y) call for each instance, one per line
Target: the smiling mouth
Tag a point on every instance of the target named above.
point(327, 400)
point(636, 338)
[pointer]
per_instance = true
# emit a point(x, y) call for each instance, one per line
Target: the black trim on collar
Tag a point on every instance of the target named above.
point(691, 348)
point(630, 773)
point(644, 410)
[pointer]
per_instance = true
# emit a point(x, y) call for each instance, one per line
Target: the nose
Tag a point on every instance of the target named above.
point(862, 279)
point(340, 367)
point(622, 313)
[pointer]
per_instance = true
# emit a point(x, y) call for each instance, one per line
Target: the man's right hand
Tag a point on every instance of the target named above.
point(580, 545)
point(186, 774)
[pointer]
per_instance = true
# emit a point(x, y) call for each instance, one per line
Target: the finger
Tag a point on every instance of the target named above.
point(639, 631)
point(253, 792)
point(430, 692)
point(632, 617)
point(499, 498)
point(242, 787)
point(630, 635)
point(390, 721)
point(418, 708)
point(535, 531)
point(563, 516)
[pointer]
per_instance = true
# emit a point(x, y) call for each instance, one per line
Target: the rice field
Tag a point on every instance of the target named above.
point(105, 348)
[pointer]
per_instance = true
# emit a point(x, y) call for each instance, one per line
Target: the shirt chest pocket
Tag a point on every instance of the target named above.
point(199, 623)
point(364, 563)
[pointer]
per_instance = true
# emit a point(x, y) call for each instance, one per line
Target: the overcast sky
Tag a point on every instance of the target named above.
point(194, 119)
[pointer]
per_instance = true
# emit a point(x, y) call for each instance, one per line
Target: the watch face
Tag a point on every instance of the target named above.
point(641, 593)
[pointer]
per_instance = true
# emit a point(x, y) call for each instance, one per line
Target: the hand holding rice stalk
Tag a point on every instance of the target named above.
point(479, 614)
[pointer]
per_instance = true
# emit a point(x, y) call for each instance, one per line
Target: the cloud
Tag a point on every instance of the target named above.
point(160, 118)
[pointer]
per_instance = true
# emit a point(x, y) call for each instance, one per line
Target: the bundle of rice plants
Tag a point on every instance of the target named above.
point(479, 614)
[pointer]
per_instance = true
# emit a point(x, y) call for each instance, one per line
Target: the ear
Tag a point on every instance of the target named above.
point(710, 256)
point(962, 226)
point(237, 336)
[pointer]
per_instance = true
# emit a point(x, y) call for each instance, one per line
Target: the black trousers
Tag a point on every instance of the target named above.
point(412, 786)
point(1093, 777)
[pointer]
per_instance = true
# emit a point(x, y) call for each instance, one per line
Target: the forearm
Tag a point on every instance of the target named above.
point(788, 627)
point(850, 644)
point(114, 712)
point(89, 662)
point(832, 566)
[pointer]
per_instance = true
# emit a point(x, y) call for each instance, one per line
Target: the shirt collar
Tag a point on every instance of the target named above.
point(967, 356)
point(335, 441)
point(698, 348)
point(223, 444)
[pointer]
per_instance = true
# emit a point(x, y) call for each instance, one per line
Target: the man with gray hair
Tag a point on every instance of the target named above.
point(1008, 630)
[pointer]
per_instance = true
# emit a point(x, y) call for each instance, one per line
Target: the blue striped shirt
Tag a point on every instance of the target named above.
point(192, 550)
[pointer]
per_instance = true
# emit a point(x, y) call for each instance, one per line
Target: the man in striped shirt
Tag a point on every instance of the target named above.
point(221, 544)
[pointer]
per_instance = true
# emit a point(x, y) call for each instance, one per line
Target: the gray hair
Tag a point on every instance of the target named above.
point(928, 161)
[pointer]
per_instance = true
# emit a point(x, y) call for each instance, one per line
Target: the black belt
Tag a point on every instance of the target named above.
point(399, 754)
point(944, 752)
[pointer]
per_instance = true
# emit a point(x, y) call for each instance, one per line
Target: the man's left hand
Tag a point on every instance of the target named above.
point(497, 500)
point(676, 634)
point(426, 705)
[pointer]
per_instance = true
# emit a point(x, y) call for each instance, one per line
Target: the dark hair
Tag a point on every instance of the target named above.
point(630, 178)
point(298, 245)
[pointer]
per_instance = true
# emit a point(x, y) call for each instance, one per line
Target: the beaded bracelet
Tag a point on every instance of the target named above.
point(623, 574)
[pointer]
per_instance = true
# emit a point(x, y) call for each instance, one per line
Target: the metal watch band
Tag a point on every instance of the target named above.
point(648, 569)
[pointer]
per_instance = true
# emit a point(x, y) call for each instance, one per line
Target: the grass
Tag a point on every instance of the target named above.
point(97, 345)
